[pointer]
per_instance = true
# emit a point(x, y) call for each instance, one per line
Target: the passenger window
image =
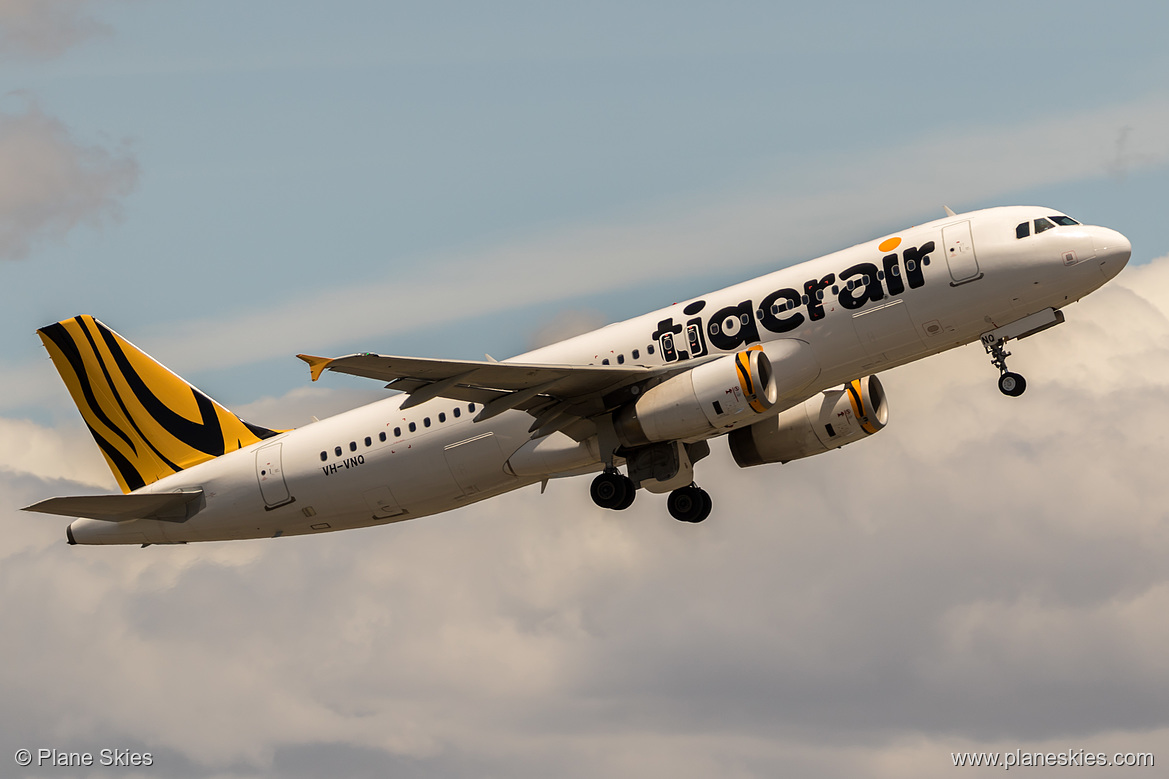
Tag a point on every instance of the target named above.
point(1023, 230)
point(1041, 225)
point(441, 417)
point(413, 427)
point(819, 294)
point(605, 361)
point(368, 441)
point(458, 412)
point(471, 407)
point(353, 446)
point(324, 456)
point(337, 450)
point(620, 359)
point(636, 354)
point(397, 432)
point(649, 349)
point(804, 299)
point(426, 421)
point(381, 436)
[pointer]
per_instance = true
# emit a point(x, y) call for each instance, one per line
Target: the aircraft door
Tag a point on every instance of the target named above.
point(270, 475)
point(960, 253)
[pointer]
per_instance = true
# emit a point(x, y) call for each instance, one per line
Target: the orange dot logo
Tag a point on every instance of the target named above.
point(889, 244)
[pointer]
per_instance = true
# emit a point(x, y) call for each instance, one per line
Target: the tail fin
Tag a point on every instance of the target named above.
point(147, 421)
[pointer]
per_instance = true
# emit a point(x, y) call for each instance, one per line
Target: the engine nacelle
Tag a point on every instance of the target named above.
point(705, 399)
point(827, 421)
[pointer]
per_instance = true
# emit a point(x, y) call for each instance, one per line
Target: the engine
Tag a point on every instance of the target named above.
point(713, 396)
point(827, 421)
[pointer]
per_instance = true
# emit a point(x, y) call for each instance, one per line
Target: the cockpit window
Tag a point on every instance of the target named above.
point(1024, 229)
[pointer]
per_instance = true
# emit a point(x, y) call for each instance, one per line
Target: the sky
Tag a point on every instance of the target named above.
point(227, 184)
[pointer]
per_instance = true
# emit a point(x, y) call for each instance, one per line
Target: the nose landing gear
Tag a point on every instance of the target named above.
point(994, 342)
point(1011, 384)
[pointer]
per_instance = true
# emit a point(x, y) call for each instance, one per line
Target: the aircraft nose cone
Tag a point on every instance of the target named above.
point(1112, 250)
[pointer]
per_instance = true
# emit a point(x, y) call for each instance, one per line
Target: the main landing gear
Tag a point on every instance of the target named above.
point(689, 504)
point(1009, 383)
point(614, 490)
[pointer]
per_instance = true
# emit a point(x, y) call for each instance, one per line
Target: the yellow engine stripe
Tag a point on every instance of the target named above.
point(858, 406)
point(750, 392)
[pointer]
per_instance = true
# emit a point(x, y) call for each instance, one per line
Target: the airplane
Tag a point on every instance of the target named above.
point(784, 365)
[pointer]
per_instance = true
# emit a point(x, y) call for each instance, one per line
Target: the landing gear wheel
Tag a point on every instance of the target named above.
point(1009, 383)
point(689, 504)
point(629, 495)
point(612, 490)
point(1012, 384)
point(707, 505)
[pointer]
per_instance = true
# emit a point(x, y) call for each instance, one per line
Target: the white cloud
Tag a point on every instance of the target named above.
point(50, 183)
point(40, 29)
point(69, 453)
point(988, 573)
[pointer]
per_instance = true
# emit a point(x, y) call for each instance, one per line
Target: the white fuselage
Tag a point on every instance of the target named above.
point(884, 303)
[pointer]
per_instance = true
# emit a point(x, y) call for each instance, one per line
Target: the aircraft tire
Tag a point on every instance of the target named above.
point(631, 493)
point(707, 505)
point(689, 504)
point(610, 489)
point(1012, 384)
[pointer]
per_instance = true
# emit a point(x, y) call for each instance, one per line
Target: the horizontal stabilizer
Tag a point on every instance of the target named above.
point(167, 506)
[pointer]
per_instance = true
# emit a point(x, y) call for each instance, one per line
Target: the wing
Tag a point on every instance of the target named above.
point(557, 395)
point(166, 506)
